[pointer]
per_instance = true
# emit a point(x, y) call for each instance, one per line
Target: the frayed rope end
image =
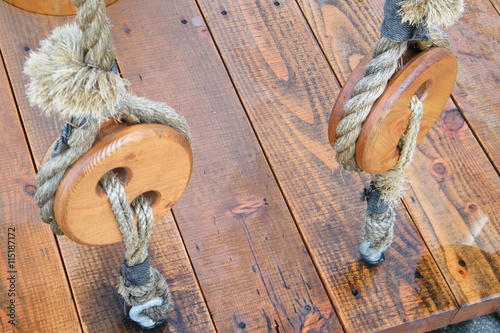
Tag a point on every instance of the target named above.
point(62, 84)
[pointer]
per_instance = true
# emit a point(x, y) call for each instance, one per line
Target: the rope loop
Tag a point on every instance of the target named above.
point(143, 320)
point(139, 282)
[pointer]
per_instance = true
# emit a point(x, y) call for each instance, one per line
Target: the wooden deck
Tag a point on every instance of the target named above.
point(265, 239)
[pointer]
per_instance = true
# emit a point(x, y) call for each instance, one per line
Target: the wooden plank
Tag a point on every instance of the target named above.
point(35, 292)
point(254, 269)
point(301, 293)
point(288, 90)
point(93, 271)
point(438, 204)
point(476, 92)
point(454, 200)
point(496, 4)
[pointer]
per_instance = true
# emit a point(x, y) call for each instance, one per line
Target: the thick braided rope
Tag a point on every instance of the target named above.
point(378, 223)
point(96, 42)
point(50, 174)
point(92, 21)
point(391, 182)
point(378, 228)
point(378, 71)
point(138, 110)
point(136, 225)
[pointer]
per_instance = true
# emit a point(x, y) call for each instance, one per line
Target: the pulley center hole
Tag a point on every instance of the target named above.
point(150, 196)
point(124, 174)
point(423, 91)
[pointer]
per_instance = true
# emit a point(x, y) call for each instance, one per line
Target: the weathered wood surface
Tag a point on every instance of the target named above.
point(288, 91)
point(454, 201)
point(477, 92)
point(269, 223)
point(253, 267)
point(455, 195)
point(93, 271)
point(139, 154)
point(496, 4)
point(33, 283)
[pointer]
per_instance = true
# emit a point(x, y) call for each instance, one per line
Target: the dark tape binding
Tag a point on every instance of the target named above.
point(138, 274)
point(376, 204)
point(62, 141)
point(393, 28)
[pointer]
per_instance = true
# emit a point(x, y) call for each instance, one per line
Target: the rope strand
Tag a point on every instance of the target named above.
point(378, 227)
point(96, 42)
point(378, 71)
point(50, 174)
point(137, 287)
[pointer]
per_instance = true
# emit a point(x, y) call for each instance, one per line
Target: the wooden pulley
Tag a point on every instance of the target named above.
point(430, 74)
point(149, 158)
point(49, 7)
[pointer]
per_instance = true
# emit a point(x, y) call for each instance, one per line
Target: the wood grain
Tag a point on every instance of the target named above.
point(477, 91)
point(49, 7)
point(93, 272)
point(462, 229)
point(32, 274)
point(254, 269)
point(288, 90)
point(430, 75)
point(255, 272)
point(453, 174)
point(147, 157)
point(496, 4)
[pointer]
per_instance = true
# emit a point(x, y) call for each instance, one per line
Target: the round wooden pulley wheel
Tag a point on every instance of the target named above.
point(429, 74)
point(149, 158)
point(49, 7)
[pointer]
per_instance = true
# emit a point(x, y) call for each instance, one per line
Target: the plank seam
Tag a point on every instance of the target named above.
point(193, 269)
point(311, 31)
point(474, 134)
point(455, 299)
point(28, 146)
point(495, 7)
point(248, 118)
point(301, 234)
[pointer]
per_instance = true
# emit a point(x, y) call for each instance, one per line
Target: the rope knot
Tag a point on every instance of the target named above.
point(438, 12)
point(150, 301)
point(70, 73)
